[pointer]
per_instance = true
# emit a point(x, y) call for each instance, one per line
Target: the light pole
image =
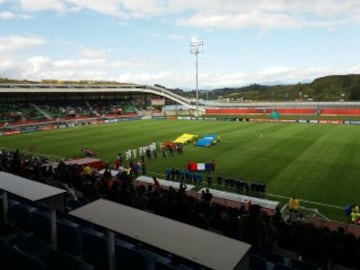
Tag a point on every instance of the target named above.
point(196, 47)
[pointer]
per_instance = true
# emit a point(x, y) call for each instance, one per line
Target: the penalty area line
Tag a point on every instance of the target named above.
point(306, 201)
point(45, 136)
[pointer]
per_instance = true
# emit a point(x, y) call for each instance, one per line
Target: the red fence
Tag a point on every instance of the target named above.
point(286, 111)
point(340, 111)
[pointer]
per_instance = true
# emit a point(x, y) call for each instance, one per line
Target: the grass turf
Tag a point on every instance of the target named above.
point(318, 163)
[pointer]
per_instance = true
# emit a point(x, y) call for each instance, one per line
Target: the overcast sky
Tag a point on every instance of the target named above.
point(147, 41)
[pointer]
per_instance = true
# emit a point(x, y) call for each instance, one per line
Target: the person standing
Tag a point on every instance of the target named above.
point(293, 208)
point(294, 204)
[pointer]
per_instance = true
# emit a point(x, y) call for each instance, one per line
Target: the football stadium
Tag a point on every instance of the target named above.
point(210, 166)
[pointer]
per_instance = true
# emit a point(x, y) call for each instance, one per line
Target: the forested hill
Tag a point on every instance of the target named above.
point(329, 88)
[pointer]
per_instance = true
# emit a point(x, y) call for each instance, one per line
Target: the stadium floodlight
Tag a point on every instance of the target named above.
point(196, 47)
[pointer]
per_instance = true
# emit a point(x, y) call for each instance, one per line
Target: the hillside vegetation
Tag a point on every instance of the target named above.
point(329, 88)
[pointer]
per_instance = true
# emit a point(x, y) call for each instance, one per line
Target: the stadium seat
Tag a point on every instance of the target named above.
point(280, 266)
point(31, 245)
point(129, 259)
point(23, 260)
point(94, 248)
point(69, 238)
point(41, 224)
point(64, 261)
point(257, 262)
point(6, 255)
point(271, 257)
point(21, 215)
point(303, 265)
point(164, 266)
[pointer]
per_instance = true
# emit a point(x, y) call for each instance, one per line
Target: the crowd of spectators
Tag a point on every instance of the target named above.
point(247, 223)
point(18, 111)
point(12, 112)
point(64, 108)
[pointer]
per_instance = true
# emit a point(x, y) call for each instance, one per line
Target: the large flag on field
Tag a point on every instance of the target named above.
point(185, 138)
point(195, 167)
point(207, 140)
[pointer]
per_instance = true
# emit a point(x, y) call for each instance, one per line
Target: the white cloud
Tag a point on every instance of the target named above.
point(266, 14)
point(30, 5)
point(95, 53)
point(7, 15)
point(263, 14)
point(100, 65)
point(35, 65)
point(109, 7)
point(11, 43)
point(80, 63)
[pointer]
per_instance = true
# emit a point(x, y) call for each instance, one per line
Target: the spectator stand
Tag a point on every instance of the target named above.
point(195, 245)
point(33, 191)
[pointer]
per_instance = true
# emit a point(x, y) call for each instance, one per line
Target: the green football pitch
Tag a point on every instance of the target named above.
point(320, 164)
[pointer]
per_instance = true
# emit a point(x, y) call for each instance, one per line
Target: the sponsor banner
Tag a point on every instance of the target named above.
point(62, 126)
point(48, 127)
point(108, 121)
point(12, 132)
point(182, 117)
point(336, 122)
point(210, 118)
point(313, 121)
point(94, 122)
point(101, 121)
point(303, 121)
point(354, 122)
point(29, 129)
point(129, 118)
point(333, 122)
point(262, 120)
point(158, 117)
point(287, 121)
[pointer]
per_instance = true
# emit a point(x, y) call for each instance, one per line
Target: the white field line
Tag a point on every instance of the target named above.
point(45, 136)
point(283, 208)
point(305, 201)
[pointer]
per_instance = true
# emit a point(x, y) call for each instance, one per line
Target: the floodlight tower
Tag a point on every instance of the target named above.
point(196, 47)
